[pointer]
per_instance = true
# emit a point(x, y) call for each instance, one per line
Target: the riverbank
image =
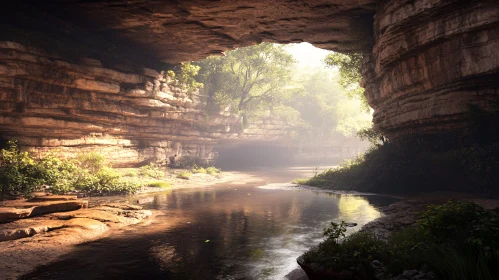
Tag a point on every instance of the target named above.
point(38, 231)
point(408, 241)
point(198, 180)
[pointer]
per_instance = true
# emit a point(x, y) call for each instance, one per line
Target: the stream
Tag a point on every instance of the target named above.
point(225, 232)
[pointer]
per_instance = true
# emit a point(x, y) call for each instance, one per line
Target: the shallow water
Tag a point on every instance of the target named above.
point(222, 232)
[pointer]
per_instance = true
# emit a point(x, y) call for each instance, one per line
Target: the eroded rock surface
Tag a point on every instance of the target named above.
point(430, 61)
point(19, 209)
point(49, 104)
point(29, 242)
point(177, 31)
point(405, 213)
point(427, 61)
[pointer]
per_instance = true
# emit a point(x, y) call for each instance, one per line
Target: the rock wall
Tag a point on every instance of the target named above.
point(427, 60)
point(431, 58)
point(48, 104)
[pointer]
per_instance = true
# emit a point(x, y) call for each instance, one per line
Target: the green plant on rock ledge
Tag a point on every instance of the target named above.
point(159, 184)
point(186, 175)
point(20, 173)
point(151, 170)
point(456, 240)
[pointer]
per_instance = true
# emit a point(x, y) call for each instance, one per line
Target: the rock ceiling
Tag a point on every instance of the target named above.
point(176, 31)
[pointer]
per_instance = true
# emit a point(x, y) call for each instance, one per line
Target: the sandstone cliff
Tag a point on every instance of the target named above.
point(49, 104)
point(427, 60)
point(430, 60)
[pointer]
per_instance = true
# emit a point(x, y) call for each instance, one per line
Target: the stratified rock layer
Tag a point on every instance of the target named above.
point(48, 104)
point(177, 31)
point(431, 59)
point(428, 60)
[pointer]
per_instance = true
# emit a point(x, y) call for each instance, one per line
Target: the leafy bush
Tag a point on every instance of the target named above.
point(132, 173)
point(355, 252)
point(159, 184)
point(461, 222)
point(422, 164)
point(21, 173)
point(188, 162)
point(186, 175)
point(213, 170)
point(456, 240)
point(151, 170)
point(195, 169)
point(92, 161)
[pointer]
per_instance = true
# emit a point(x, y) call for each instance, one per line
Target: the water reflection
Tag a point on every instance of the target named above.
point(228, 232)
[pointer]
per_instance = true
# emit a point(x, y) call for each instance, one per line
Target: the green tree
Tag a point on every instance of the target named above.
point(248, 80)
point(349, 68)
point(324, 109)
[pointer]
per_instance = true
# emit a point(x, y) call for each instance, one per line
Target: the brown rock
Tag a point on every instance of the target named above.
point(53, 198)
point(123, 206)
point(86, 223)
point(8, 214)
point(420, 74)
point(425, 70)
point(18, 209)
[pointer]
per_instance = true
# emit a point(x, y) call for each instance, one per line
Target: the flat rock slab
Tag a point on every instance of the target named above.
point(19, 209)
point(123, 206)
point(53, 198)
point(34, 241)
point(27, 227)
point(8, 214)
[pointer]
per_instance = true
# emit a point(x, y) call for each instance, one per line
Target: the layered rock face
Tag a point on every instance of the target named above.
point(431, 59)
point(48, 104)
point(427, 61)
point(178, 31)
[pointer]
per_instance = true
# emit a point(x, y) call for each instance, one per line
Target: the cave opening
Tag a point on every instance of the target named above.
point(287, 104)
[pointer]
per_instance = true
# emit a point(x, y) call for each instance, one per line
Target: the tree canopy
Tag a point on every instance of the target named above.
point(349, 68)
point(248, 80)
point(264, 80)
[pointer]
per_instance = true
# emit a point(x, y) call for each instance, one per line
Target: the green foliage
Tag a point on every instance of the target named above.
point(213, 170)
point(247, 80)
point(461, 263)
point(355, 252)
point(416, 165)
point(456, 240)
point(92, 161)
point(349, 65)
point(188, 162)
point(335, 231)
point(186, 175)
point(300, 181)
point(466, 222)
point(371, 134)
point(195, 169)
point(262, 81)
point(21, 173)
point(324, 111)
point(151, 170)
point(132, 173)
point(186, 76)
point(159, 184)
